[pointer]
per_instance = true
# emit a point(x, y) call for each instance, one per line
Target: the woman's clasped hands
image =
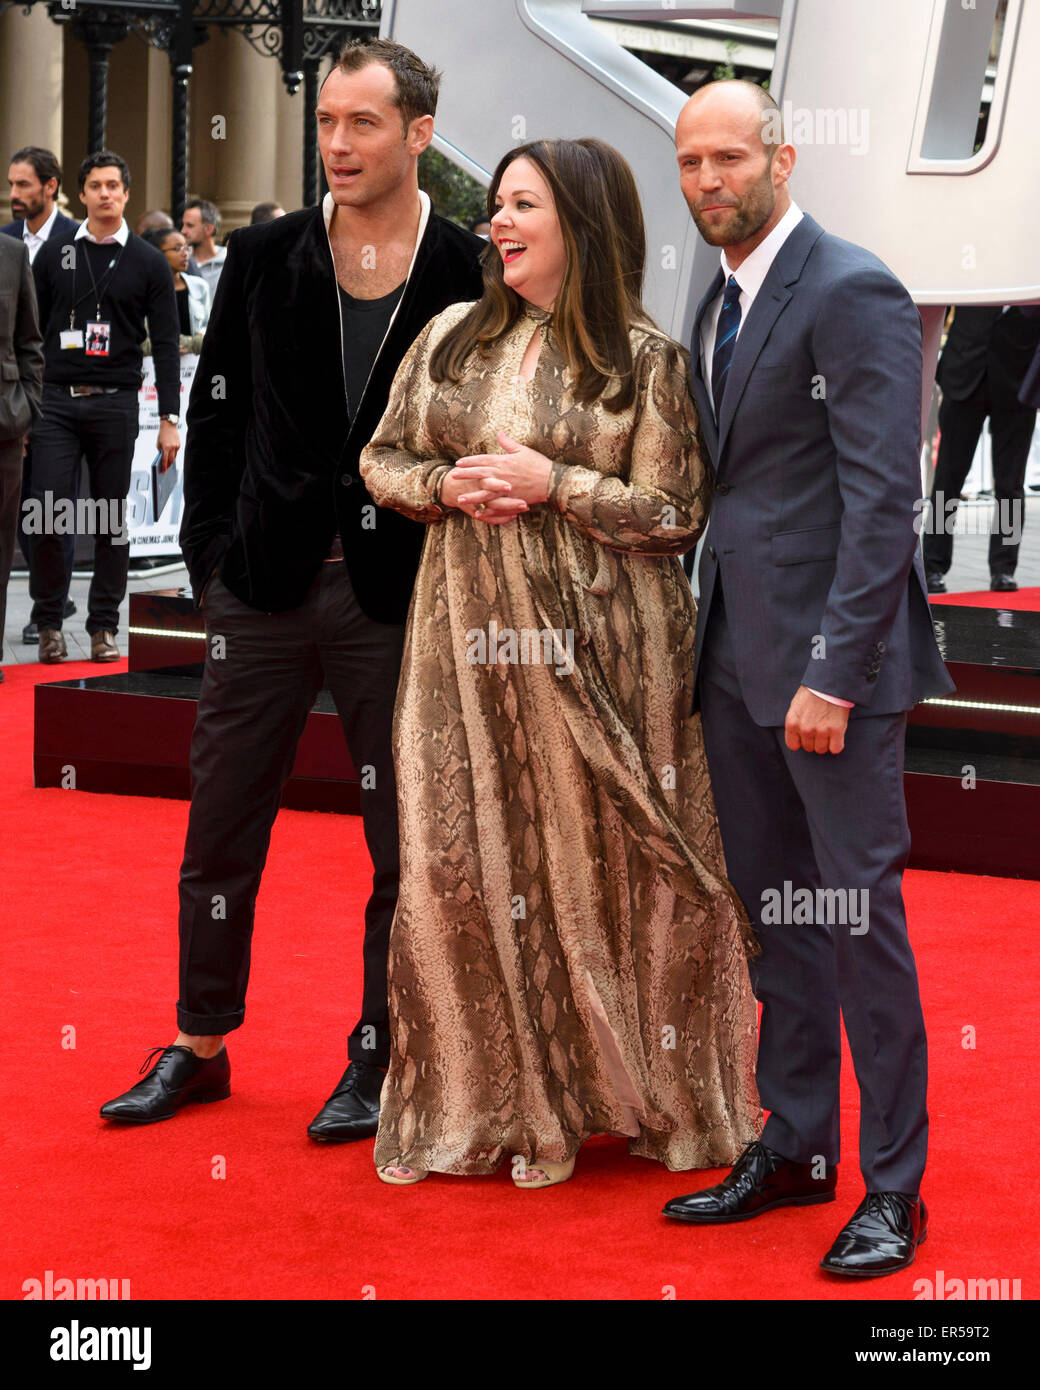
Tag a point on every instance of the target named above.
point(498, 487)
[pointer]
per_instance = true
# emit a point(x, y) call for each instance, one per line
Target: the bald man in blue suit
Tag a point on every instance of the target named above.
point(814, 639)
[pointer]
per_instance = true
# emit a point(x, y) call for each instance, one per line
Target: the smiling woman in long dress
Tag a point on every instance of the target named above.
point(568, 958)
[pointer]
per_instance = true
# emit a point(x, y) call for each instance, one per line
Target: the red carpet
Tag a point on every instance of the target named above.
point(89, 895)
point(1022, 599)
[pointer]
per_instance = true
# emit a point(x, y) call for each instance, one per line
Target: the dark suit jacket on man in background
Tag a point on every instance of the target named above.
point(1029, 391)
point(991, 344)
point(810, 575)
point(21, 384)
point(61, 228)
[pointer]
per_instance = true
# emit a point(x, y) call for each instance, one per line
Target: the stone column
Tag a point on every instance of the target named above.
point(234, 127)
point(287, 180)
point(31, 62)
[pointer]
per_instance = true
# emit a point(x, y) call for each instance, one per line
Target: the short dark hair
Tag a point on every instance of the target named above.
point(209, 212)
point(44, 162)
point(263, 212)
point(155, 236)
point(417, 82)
point(103, 159)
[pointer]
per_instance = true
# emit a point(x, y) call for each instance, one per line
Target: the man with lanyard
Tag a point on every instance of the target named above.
point(301, 578)
point(94, 293)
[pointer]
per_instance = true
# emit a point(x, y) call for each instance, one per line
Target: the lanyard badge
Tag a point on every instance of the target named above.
point(99, 337)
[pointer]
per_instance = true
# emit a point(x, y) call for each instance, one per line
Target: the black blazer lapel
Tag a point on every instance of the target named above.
point(768, 306)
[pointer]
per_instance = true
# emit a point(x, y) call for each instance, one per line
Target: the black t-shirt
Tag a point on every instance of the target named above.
point(182, 311)
point(365, 322)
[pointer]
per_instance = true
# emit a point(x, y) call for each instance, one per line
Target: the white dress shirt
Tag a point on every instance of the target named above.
point(749, 276)
point(34, 240)
point(120, 236)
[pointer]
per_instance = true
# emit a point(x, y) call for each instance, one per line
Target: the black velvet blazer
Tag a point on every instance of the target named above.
point(271, 461)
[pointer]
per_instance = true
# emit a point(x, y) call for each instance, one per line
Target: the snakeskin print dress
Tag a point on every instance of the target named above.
point(567, 958)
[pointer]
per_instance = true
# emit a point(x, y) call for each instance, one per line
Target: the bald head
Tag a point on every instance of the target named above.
point(733, 165)
point(153, 220)
point(737, 105)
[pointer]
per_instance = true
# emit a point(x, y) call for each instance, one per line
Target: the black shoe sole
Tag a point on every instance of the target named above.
point(875, 1273)
point(750, 1215)
point(155, 1119)
point(341, 1138)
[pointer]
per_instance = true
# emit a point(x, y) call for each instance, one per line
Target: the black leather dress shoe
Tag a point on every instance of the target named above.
point(760, 1180)
point(177, 1078)
point(352, 1111)
point(883, 1236)
point(936, 583)
point(1003, 584)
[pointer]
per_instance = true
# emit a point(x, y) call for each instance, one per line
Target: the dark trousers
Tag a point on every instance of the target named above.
point(960, 424)
point(102, 430)
point(261, 677)
point(823, 821)
point(10, 497)
point(27, 539)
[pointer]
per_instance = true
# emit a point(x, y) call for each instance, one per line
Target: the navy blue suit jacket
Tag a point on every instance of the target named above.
point(814, 525)
point(1029, 391)
point(63, 226)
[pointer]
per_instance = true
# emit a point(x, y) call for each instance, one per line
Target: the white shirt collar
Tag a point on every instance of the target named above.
point(425, 208)
point(45, 230)
point(754, 269)
point(121, 236)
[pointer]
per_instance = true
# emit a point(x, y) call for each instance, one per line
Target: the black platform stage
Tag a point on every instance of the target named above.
point(131, 733)
point(972, 758)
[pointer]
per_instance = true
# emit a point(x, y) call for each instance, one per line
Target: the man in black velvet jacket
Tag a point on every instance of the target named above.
point(299, 578)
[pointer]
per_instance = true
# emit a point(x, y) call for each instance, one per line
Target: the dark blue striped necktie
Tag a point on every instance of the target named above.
point(725, 341)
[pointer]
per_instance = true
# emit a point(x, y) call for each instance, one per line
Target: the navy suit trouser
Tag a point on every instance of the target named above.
point(797, 821)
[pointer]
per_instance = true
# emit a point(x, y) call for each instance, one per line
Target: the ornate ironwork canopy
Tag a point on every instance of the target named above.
point(299, 33)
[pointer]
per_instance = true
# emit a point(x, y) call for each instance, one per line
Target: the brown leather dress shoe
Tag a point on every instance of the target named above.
point(103, 646)
point(52, 645)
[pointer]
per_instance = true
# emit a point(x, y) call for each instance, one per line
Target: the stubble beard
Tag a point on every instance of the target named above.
point(748, 216)
point(29, 208)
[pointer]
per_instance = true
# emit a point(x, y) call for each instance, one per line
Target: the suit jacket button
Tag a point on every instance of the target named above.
point(881, 649)
point(347, 479)
point(872, 676)
point(722, 489)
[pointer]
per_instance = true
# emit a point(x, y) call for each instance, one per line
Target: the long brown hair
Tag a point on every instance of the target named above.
point(600, 298)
